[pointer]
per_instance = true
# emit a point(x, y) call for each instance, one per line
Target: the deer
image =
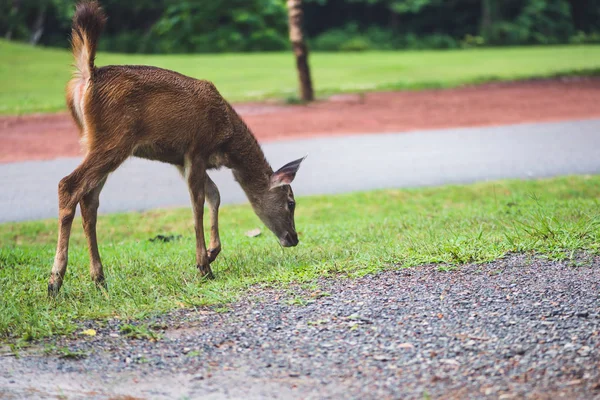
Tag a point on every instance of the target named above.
point(158, 114)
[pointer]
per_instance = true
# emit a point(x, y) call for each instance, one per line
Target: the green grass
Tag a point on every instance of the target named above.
point(347, 235)
point(33, 79)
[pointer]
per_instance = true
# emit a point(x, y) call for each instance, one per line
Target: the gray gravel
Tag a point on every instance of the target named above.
point(334, 165)
point(520, 327)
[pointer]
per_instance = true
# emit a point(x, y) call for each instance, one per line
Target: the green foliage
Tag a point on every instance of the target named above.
point(341, 236)
point(508, 22)
point(195, 26)
point(408, 6)
point(584, 38)
point(224, 25)
point(471, 41)
point(347, 38)
point(538, 22)
point(162, 26)
point(351, 38)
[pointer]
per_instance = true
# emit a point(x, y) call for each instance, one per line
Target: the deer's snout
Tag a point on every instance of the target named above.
point(289, 240)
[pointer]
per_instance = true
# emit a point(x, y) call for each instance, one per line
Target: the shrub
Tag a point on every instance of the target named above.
point(471, 41)
point(585, 38)
point(350, 38)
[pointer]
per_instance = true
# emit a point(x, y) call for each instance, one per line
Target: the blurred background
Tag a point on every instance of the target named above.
point(465, 71)
point(188, 26)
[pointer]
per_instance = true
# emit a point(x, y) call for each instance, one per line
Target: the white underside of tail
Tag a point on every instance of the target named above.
point(81, 83)
point(82, 74)
point(79, 96)
point(82, 61)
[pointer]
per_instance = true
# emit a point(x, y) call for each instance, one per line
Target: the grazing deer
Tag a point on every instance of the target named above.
point(160, 115)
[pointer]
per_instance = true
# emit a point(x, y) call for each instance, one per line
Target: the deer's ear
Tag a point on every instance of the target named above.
point(286, 174)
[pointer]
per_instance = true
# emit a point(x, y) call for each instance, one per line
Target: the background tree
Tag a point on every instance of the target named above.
point(300, 49)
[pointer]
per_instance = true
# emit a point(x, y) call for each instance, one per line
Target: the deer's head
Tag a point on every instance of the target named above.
point(276, 205)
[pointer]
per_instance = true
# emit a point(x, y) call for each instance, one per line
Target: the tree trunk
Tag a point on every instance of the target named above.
point(394, 20)
point(486, 19)
point(38, 26)
point(300, 50)
point(14, 12)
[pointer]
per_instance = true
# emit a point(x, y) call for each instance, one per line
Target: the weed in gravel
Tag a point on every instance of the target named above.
point(297, 301)
point(139, 332)
point(66, 353)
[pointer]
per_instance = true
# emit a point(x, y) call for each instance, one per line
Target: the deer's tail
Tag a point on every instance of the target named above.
point(88, 23)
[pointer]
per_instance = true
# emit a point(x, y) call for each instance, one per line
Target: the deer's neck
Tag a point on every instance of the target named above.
point(248, 163)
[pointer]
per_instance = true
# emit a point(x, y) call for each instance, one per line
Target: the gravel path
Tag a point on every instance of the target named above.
point(516, 328)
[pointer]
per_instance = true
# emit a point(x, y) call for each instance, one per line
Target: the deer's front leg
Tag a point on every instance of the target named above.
point(196, 182)
point(213, 199)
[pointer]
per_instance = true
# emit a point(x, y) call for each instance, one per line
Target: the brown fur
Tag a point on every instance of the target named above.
point(160, 115)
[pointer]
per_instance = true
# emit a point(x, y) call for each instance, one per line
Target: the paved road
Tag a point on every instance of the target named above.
point(334, 165)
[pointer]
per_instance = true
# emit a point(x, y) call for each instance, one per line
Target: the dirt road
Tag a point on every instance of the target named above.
point(44, 137)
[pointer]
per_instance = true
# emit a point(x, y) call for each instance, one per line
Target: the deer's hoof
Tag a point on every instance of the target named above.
point(54, 284)
point(100, 283)
point(213, 253)
point(206, 272)
point(53, 289)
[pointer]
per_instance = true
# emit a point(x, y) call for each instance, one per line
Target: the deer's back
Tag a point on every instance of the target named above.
point(155, 108)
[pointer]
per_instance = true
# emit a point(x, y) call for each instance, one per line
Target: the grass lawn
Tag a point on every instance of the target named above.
point(347, 235)
point(33, 79)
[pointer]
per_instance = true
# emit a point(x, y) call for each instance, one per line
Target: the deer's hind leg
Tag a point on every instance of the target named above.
point(86, 177)
point(89, 215)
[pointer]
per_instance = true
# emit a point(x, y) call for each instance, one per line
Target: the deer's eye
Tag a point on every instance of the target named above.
point(291, 205)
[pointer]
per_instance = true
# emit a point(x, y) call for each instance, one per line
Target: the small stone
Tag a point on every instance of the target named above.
point(569, 346)
point(381, 357)
point(582, 314)
point(198, 377)
point(293, 374)
point(518, 349)
point(449, 361)
point(186, 350)
point(584, 351)
point(552, 353)
point(253, 233)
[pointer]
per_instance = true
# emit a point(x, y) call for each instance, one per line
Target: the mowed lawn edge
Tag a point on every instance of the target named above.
point(341, 236)
point(33, 79)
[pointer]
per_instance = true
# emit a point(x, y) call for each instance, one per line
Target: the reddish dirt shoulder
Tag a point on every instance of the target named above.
point(41, 137)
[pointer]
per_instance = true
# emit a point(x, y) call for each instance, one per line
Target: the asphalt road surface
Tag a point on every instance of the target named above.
point(334, 165)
